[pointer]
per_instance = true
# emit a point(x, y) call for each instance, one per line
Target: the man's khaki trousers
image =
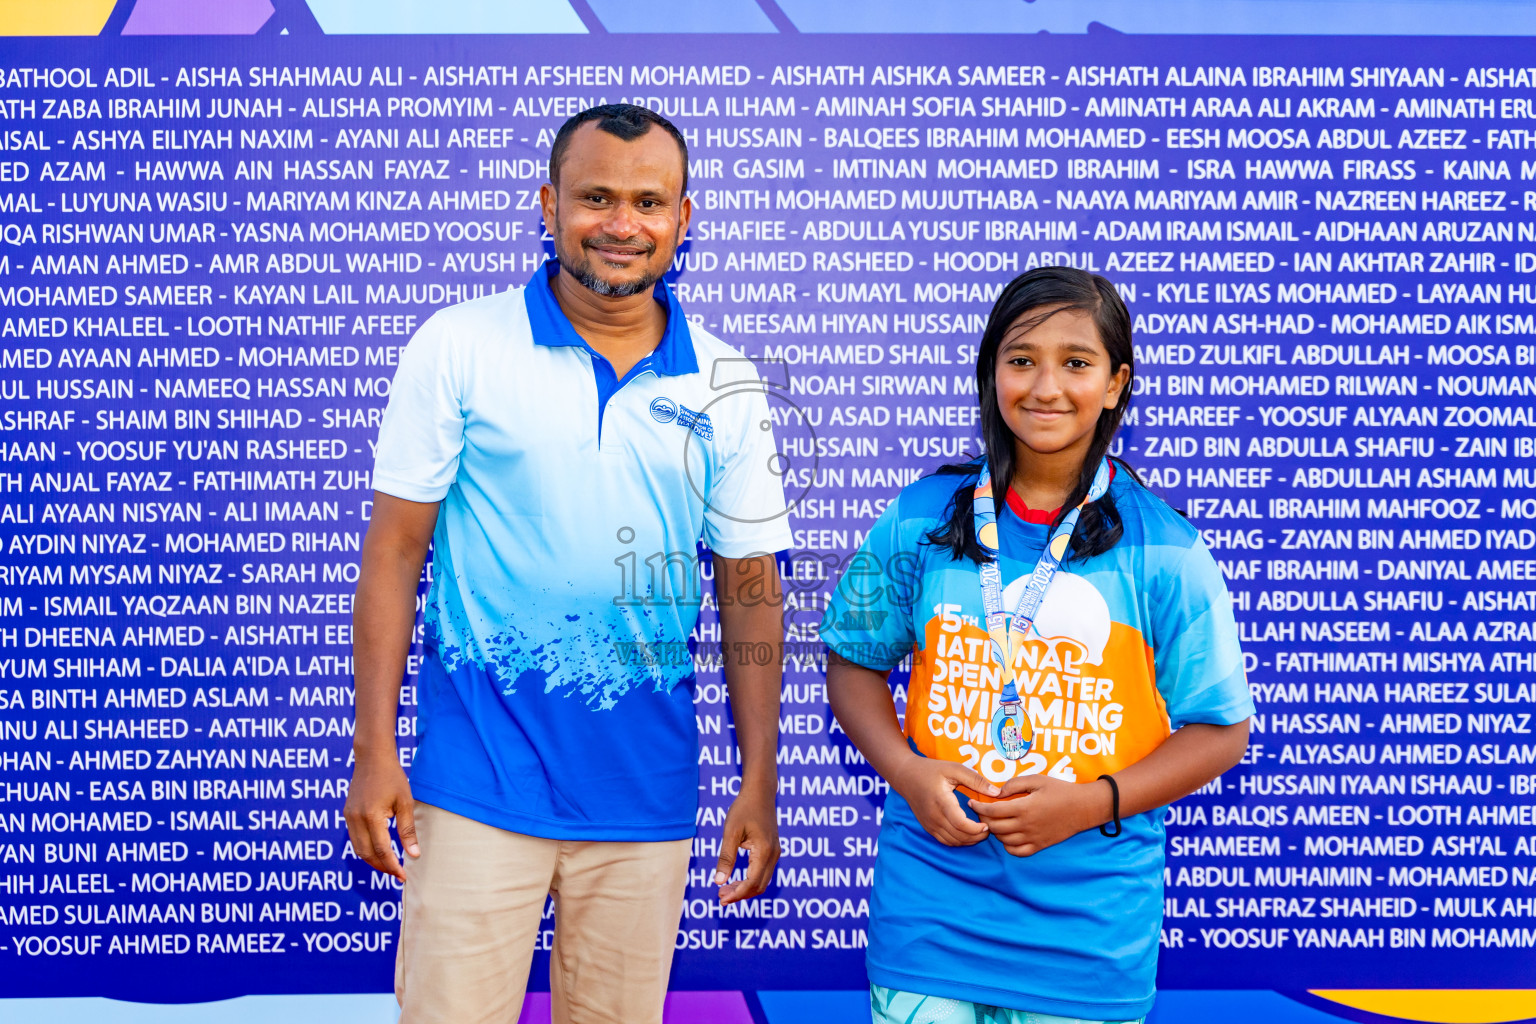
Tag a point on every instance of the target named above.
point(474, 904)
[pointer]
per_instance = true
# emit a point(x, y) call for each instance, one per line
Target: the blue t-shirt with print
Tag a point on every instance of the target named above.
point(1127, 646)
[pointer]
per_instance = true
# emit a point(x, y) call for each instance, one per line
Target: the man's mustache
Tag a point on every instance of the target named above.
point(643, 244)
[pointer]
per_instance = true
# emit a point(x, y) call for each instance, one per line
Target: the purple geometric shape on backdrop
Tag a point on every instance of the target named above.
point(197, 18)
point(715, 1007)
point(681, 1008)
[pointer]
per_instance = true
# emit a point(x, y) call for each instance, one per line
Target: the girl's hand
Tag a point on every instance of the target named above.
point(928, 784)
point(1044, 811)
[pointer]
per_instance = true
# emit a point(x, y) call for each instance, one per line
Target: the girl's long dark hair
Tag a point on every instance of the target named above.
point(1044, 292)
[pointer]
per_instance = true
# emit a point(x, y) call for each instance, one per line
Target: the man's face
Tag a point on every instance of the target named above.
point(618, 213)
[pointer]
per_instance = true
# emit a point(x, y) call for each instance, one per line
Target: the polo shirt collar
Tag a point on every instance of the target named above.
point(673, 357)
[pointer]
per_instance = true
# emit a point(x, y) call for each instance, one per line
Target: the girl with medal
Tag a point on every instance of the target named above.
point(1075, 669)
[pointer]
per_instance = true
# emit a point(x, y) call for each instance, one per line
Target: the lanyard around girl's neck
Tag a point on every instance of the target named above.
point(1008, 631)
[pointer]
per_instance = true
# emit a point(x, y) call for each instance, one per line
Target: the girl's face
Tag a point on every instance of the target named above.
point(1053, 382)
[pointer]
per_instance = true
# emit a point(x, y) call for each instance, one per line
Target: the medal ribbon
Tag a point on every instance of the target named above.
point(1008, 631)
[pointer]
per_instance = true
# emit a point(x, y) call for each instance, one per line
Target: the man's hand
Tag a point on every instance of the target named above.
point(750, 824)
point(1043, 812)
point(928, 785)
point(752, 620)
point(380, 792)
point(383, 617)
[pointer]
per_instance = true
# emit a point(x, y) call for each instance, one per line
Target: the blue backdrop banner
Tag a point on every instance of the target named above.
point(218, 229)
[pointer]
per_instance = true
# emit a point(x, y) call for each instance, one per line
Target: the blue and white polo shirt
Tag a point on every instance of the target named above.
point(556, 697)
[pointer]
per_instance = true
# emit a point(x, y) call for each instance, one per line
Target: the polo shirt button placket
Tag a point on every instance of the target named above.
point(612, 440)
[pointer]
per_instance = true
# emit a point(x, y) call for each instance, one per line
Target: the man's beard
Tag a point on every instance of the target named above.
point(589, 278)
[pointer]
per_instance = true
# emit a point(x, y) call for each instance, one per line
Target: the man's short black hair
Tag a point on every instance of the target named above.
point(623, 120)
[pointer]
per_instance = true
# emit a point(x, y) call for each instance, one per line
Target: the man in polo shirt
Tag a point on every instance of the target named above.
point(563, 447)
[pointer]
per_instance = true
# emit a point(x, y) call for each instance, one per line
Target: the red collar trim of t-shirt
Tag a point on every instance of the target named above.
point(1034, 515)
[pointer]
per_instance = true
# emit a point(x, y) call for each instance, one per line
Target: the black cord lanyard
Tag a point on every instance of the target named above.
point(1114, 788)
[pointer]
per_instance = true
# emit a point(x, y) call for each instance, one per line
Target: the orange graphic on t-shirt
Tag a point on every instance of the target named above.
point(1089, 719)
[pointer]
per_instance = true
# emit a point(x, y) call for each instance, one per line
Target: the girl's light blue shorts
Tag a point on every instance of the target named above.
point(889, 1006)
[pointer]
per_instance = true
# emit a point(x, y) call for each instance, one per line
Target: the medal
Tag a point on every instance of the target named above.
point(1012, 732)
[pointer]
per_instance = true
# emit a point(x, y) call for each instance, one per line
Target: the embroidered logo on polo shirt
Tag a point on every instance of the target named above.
point(663, 410)
point(697, 422)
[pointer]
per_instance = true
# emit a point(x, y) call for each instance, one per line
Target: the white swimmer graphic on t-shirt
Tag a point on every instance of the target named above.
point(1073, 610)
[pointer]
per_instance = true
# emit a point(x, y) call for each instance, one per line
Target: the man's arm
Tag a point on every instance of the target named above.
point(383, 618)
point(752, 637)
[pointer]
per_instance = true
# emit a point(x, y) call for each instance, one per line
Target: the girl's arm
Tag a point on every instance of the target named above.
point(861, 700)
point(1045, 810)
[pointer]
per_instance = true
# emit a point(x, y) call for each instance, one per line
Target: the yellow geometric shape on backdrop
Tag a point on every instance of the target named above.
point(54, 17)
point(1445, 1006)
